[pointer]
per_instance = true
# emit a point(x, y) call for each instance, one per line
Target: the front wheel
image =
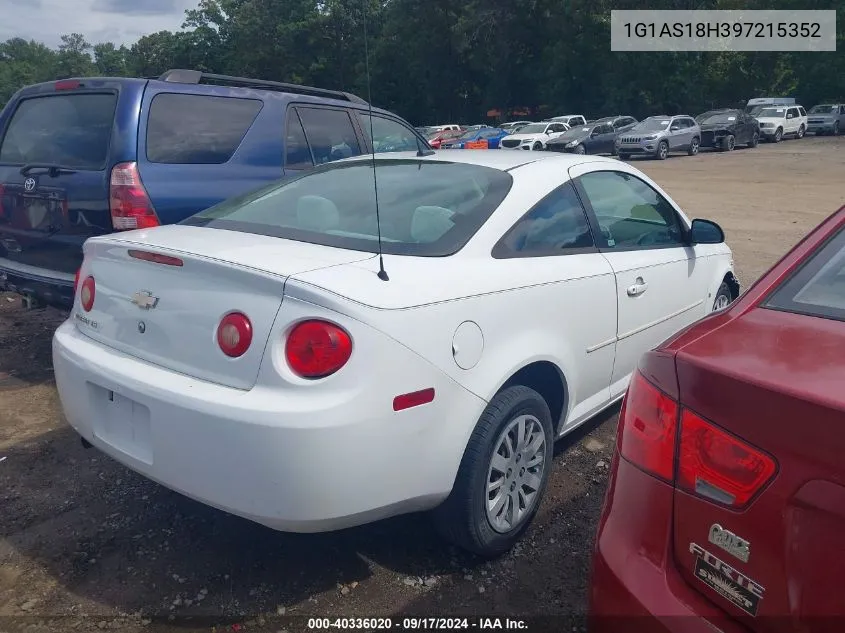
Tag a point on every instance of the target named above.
point(663, 150)
point(801, 131)
point(778, 135)
point(728, 143)
point(538, 146)
point(723, 298)
point(623, 155)
point(836, 128)
point(502, 476)
point(755, 139)
point(580, 149)
point(694, 146)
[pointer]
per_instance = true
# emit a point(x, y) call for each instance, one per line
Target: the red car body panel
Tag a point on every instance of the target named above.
point(446, 135)
point(775, 381)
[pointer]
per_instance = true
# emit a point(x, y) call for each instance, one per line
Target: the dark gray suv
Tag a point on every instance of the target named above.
point(658, 136)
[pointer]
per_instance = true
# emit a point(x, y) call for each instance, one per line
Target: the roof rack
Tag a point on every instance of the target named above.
point(182, 76)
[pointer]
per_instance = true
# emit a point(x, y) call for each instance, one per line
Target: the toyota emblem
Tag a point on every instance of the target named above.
point(29, 184)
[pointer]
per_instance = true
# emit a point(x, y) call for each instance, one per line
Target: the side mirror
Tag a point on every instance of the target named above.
point(674, 128)
point(706, 232)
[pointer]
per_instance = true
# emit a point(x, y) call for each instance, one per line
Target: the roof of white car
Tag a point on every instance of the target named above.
point(497, 159)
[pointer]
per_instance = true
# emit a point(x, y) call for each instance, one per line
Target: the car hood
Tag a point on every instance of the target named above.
point(827, 116)
point(525, 137)
point(769, 119)
point(716, 126)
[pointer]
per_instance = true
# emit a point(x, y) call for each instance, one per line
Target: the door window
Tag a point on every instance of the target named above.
point(557, 225)
point(630, 213)
point(297, 152)
point(390, 135)
point(330, 134)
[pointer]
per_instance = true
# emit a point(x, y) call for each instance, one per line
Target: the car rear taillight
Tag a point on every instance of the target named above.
point(316, 349)
point(86, 295)
point(234, 334)
point(647, 428)
point(715, 464)
point(130, 205)
point(710, 463)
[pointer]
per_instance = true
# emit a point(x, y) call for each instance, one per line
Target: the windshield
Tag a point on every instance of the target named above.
point(533, 128)
point(823, 109)
point(653, 125)
point(426, 208)
point(776, 113)
point(717, 118)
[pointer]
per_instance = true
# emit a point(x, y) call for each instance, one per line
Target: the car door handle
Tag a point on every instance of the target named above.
point(638, 288)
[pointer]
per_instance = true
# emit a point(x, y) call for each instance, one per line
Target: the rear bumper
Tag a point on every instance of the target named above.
point(292, 462)
point(46, 286)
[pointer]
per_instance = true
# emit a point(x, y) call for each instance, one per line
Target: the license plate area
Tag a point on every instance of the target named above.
point(43, 211)
point(122, 423)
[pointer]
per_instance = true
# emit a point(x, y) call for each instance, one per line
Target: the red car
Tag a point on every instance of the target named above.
point(435, 140)
point(726, 503)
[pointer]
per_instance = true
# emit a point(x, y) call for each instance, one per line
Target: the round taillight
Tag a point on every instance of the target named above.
point(316, 349)
point(234, 334)
point(86, 295)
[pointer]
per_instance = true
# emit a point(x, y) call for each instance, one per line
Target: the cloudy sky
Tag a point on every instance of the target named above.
point(119, 21)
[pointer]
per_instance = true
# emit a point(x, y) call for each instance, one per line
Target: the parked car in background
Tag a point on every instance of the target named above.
point(476, 127)
point(514, 126)
point(449, 126)
point(754, 106)
point(779, 121)
point(278, 308)
point(597, 138)
point(658, 136)
point(620, 122)
point(437, 139)
point(570, 119)
point(488, 137)
point(725, 129)
point(828, 118)
point(88, 156)
point(726, 504)
point(426, 130)
point(534, 136)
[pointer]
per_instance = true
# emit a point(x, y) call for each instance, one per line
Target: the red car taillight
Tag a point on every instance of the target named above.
point(316, 349)
point(130, 205)
point(234, 334)
point(86, 295)
point(710, 463)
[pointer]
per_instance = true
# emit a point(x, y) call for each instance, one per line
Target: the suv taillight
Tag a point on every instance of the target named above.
point(130, 205)
point(710, 463)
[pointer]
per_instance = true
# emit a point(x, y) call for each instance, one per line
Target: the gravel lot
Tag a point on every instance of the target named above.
point(87, 545)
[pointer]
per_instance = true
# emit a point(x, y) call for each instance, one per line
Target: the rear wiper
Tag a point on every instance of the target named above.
point(48, 168)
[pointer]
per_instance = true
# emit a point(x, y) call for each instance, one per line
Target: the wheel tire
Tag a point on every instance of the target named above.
point(724, 297)
point(623, 156)
point(755, 140)
point(778, 135)
point(729, 143)
point(694, 146)
point(801, 131)
point(662, 150)
point(835, 128)
point(580, 149)
point(462, 519)
point(537, 147)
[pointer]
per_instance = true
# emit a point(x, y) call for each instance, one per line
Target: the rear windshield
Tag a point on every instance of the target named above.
point(71, 130)
point(818, 288)
point(426, 208)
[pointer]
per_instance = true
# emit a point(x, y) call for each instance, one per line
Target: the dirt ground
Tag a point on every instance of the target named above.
point(86, 544)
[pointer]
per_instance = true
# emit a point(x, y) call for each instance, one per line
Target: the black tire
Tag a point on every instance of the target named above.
point(728, 143)
point(722, 294)
point(801, 131)
point(580, 149)
point(623, 156)
point(835, 128)
point(538, 146)
point(462, 519)
point(755, 139)
point(662, 150)
point(778, 137)
point(694, 146)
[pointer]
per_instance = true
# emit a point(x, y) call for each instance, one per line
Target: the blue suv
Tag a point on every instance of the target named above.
point(89, 156)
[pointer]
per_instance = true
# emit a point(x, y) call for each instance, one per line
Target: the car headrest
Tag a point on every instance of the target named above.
point(429, 224)
point(315, 213)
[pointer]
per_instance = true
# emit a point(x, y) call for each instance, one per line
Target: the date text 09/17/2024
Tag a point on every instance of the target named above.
point(417, 624)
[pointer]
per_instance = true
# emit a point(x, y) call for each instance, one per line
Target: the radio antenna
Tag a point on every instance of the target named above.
point(382, 273)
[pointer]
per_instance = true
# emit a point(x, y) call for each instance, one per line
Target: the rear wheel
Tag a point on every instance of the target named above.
point(694, 146)
point(502, 476)
point(728, 143)
point(662, 150)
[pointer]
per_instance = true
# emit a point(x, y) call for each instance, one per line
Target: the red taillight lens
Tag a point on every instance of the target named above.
point(130, 205)
point(715, 464)
point(647, 428)
point(86, 295)
point(316, 349)
point(68, 84)
point(234, 334)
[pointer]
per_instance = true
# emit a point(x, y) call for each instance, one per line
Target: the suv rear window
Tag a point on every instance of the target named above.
point(71, 130)
point(177, 135)
point(818, 287)
point(427, 208)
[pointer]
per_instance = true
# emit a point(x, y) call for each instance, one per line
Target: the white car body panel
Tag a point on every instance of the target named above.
point(527, 141)
point(462, 324)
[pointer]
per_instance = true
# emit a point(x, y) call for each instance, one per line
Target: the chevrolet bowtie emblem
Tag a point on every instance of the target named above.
point(145, 300)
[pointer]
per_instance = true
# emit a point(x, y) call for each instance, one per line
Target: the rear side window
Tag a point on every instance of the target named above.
point(71, 130)
point(330, 134)
point(818, 287)
point(297, 153)
point(197, 129)
point(390, 136)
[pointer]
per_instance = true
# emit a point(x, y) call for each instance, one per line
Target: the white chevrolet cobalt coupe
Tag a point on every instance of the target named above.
point(257, 358)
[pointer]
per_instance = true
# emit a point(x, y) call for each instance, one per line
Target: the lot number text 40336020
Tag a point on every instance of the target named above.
point(418, 624)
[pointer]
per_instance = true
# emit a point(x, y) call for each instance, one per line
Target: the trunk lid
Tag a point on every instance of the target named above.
point(221, 272)
point(774, 380)
point(59, 142)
